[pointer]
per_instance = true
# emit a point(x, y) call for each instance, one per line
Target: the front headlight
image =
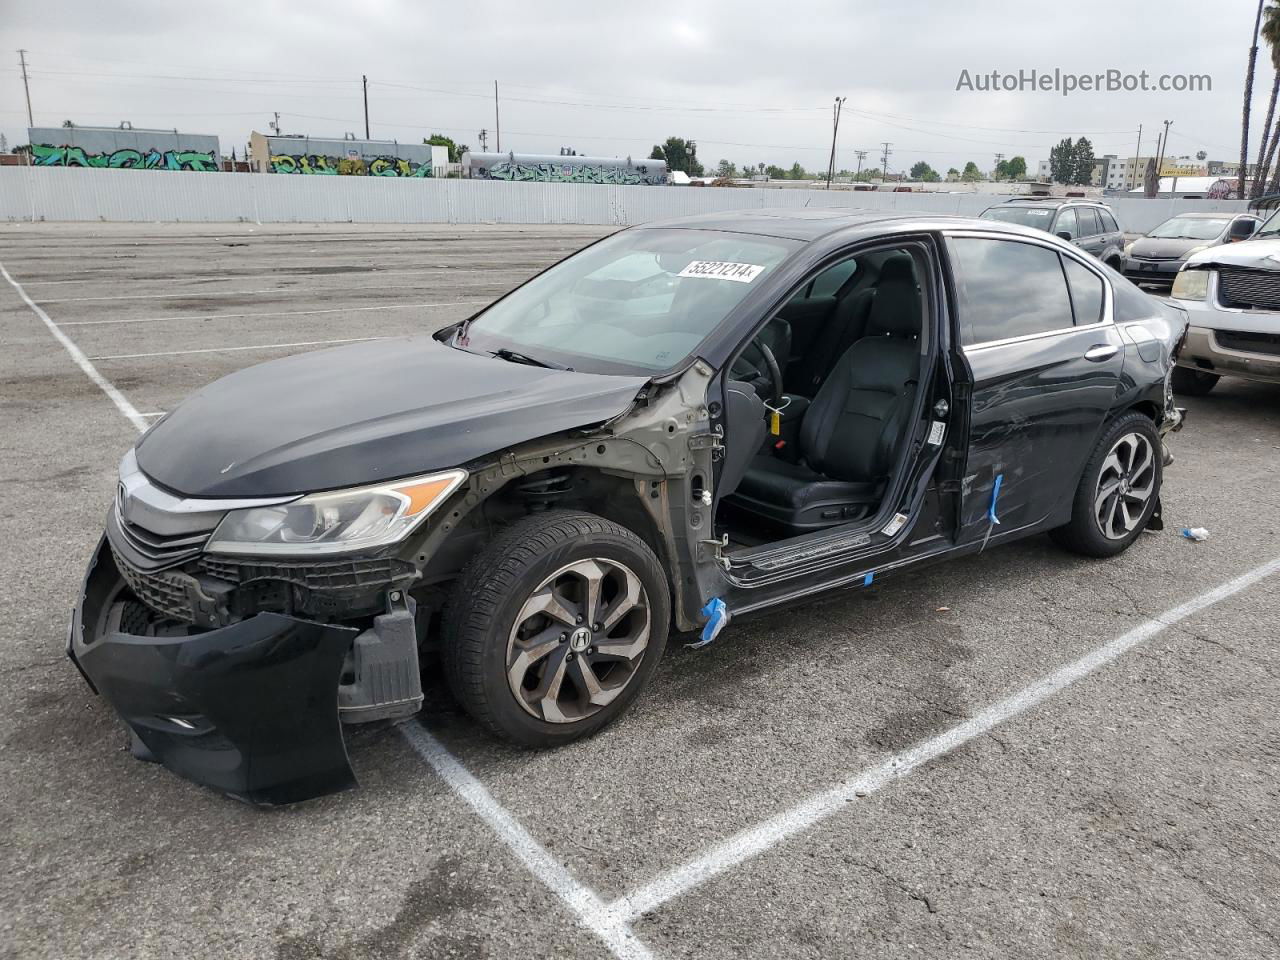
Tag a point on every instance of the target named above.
point(340, 521)
point(1128, 247)
point(1190, 285)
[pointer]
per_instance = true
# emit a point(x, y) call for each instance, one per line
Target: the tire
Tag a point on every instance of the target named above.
point(518, 610)
point(1193, 383)
point(1118, 490)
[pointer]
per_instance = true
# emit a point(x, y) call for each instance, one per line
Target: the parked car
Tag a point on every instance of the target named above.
point(1232, 295)
point(1156, 258)
point(1090, 225)
point(683, 422)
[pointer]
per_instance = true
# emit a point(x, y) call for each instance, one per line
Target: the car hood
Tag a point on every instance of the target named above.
point(1258, 254)
point(365, 413)
point(1163, 248)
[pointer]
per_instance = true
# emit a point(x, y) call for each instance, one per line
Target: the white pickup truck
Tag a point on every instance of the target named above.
point(1232, 294)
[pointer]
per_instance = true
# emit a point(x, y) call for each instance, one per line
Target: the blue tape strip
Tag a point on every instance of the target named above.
point(717, 615)
point(995, 497)
point(866, 581)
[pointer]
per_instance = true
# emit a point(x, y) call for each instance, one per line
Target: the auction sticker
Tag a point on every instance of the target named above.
point(722, 270)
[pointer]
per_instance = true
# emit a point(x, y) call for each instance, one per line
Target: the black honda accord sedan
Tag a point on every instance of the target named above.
point(682, 423)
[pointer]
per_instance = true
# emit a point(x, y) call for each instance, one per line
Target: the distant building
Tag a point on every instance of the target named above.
point(123, 148)
point(330, 157)
point(1194, 188)
point(545, 168)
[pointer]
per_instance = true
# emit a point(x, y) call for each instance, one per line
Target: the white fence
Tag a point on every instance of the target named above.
point(35, 193)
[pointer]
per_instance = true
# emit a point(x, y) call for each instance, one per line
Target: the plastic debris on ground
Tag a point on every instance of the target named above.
point(717, 615)
point(1198, 534)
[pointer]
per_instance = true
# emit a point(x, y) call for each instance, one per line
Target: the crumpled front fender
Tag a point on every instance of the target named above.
point(250, 710)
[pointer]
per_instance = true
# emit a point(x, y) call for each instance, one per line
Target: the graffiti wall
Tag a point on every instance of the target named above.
point(112, 148)
point(319, 163)
point(534, 168)
point(353, 158)
point(48, 155)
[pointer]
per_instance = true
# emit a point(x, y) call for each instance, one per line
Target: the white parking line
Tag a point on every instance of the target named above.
point(214, 294)
point(107, 387)
point(256, 346)
point(587, 907)
point(277, 313)
point(758, 839)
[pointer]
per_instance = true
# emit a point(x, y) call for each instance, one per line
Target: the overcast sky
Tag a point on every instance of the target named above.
point(615, 78)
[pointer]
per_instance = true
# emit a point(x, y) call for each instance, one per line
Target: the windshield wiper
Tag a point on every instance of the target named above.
point(515, 356)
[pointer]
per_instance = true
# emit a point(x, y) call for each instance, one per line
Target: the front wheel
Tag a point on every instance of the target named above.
point(1193, 383)
point(1118, 491)
point(553, 629)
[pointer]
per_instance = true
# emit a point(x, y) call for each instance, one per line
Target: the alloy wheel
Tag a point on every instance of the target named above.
point(578, 640)
point(1126, 484)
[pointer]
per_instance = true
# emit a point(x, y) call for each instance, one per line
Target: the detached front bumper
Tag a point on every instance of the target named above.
point(250, 709)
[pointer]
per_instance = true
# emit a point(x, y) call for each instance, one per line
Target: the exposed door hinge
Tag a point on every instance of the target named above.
point(713, 441)
point(717, 549)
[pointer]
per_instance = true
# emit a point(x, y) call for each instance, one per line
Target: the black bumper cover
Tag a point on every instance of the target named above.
point(250, 710)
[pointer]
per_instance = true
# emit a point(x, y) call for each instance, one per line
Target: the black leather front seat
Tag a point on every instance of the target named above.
point(850, 435)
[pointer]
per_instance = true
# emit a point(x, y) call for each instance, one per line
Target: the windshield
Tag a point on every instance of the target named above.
point(640, 300)
point(1038, 217)
point(1270, 228)
point(1190, 228)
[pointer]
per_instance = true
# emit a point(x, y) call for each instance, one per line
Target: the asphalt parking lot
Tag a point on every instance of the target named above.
point(1132, 810)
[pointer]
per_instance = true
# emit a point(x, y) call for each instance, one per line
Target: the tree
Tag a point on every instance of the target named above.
point(440, 140)
point(1248, 99)
point(922, 171)
point(4, 143)
point(971, 172)
point(797, 172)
point(869, 174)
point(680, 154)
point(726, 169)
point(1016, 168)
point(1062, 162)
point(1201, 155)
point(953, 174)
point(774, 172)
point(67, 123)
point(1082, 162)
point(1267, 147)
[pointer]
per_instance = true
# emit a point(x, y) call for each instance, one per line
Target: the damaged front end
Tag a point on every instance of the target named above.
point(237, 673)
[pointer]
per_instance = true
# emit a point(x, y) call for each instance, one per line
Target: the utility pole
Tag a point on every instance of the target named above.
point(497, 127)
point(365, 81)
point(861, 155)
point(22, 59)
point(835, 129)
point(483, 137)
point(1164, 145)
point(999, 160)
point(884, 159)
point(275, 124)
point(1136, 158)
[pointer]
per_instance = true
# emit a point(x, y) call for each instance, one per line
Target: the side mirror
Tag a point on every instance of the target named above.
point(1064, 235)
point(1240, 230)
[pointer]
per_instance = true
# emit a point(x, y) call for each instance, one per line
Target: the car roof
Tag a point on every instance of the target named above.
point(1054, 201)
point(814, 223)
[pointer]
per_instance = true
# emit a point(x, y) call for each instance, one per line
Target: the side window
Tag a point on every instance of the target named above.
point(1108, 221)
point(1089, 225)
point(1008, 289)
point(830, 280)
point(1086, 292)
point(1067, 223)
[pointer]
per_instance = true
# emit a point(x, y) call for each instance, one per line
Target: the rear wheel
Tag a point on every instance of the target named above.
point(1118, 491)
point(1193, 383)
point(555, 627)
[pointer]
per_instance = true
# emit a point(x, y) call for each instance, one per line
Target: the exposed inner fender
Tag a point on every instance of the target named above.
point(663, 439)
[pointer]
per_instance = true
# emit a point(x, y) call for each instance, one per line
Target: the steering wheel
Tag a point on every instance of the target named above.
point(771, 371)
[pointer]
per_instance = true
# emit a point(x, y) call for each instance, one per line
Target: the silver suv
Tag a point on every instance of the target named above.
point(1090, 225)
